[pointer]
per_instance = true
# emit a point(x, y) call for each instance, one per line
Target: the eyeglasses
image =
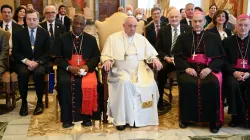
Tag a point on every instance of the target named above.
point(156, 14)
point(48, 13)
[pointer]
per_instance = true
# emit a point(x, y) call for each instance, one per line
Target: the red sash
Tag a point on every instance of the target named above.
point(89, 87)
point(242, 64)
point(201, 58)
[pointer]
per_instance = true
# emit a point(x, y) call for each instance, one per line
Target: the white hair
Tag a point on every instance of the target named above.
point(49, 6)
point(127, 18)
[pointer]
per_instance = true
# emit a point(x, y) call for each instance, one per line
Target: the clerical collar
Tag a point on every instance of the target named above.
point(242, 38)
point(76, 36)
point(198, 33)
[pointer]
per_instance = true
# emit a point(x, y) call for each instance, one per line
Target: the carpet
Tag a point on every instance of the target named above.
point(3, 126)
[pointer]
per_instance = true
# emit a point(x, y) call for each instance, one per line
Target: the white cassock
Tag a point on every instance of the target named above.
point(133, 92)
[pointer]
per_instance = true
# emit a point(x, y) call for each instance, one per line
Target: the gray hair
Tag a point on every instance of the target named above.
point(155, 9)
point(53, 6)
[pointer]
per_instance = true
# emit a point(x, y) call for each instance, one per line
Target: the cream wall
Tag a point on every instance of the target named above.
point(131, 2)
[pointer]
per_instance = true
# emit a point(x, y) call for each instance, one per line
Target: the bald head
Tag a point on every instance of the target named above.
point(174, 17)
point(129, 25)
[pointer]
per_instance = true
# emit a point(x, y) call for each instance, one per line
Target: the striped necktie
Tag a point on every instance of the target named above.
point(175, 37)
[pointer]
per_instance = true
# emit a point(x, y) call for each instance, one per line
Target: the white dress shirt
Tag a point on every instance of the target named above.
point(34, 34)
point(61, 17)
point(53, 26)
point(178, 31)
point(187, 19)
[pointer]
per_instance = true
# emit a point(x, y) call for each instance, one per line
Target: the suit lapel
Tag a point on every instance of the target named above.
point(1, 24)
point(169, 35)
point(37, 39)
point(153, 30)
point(28, 39)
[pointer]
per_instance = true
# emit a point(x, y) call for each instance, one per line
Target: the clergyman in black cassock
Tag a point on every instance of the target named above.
point(70, 82)
point(197, 57)
point(236, 73)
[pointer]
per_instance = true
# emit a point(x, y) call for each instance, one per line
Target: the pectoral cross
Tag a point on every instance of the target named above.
point(243, 63)
point(78, 60)
point(194, 55)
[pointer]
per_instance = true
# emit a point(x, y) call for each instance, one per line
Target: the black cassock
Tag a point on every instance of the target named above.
point(237, 93)
point(69, 90)
point(199, 98)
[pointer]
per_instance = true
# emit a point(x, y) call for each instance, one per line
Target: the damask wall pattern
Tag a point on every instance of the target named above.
point(235, 6)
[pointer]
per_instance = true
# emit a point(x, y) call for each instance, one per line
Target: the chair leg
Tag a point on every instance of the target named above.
point(171, 82)
point(105, 116)
point(8, 94)
point(57, 107)
point(46, 95)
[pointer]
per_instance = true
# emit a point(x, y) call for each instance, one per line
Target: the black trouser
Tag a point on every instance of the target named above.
point(23, 80)
point(162, 78)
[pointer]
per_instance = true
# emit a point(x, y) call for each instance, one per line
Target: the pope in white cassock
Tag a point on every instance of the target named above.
point(133, 93)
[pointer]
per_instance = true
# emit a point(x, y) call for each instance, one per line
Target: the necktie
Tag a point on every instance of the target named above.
point(51, 31)
point(62, 20)
point(157, 29)
point(32, 39)
point(175, 38)
point(6, 27)
point(190, 23)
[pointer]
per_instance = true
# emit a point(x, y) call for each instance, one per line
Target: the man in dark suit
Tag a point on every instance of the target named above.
point(189, 10)
point(54, 28)
point(164, 44)
point(61, 16)
point(8, 25)
point(31, 50)
point(153, 28)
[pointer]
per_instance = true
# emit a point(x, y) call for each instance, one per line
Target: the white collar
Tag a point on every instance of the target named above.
point(31, 29)
point(178, 27)
point(9, 24)
point(53, 23)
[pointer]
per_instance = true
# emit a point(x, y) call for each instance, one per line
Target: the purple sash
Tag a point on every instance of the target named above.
point(201, 58)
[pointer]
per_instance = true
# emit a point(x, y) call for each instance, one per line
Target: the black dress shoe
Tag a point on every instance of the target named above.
point(121, 127)
point(213, 128)
point(24, 109)
point(183, 124)
point(39, 109)
point(67, 124)
point(86, 123)
point(234, 123)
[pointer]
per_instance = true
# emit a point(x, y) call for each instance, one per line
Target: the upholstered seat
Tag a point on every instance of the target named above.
point(111, 25)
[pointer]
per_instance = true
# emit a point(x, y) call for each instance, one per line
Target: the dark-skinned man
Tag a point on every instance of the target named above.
point(77, 56)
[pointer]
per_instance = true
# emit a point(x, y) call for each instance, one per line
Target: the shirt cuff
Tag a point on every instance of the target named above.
point(67, 68)
point(24, 60)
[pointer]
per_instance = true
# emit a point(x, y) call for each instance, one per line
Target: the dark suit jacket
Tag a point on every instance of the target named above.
point(15, 27)
point(59, 30)
point(164, 40)
point(214, 30)
point(22, 46)
point(63, 51)
point(66, 22)
point(184, 21)
point(151, 34)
